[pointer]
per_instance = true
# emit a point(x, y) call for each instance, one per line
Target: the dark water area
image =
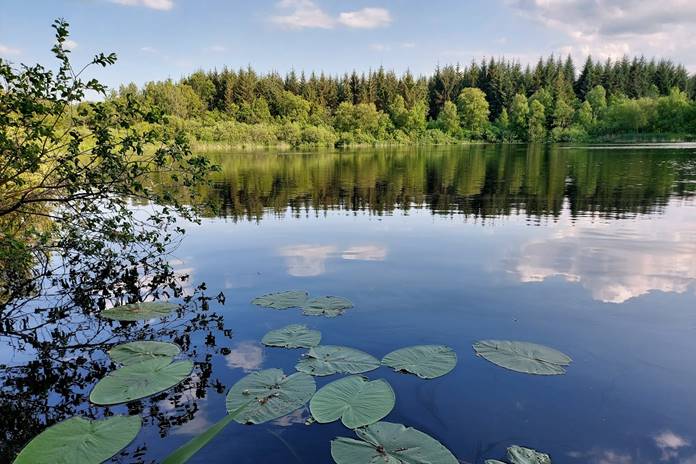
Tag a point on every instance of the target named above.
point(591, 251)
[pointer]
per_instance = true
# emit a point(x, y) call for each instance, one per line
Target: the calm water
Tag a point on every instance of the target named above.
point(590, 251)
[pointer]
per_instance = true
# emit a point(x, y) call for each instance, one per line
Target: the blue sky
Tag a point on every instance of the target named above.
point(157, 39)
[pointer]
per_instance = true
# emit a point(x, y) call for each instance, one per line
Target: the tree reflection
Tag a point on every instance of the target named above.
point(478, 181)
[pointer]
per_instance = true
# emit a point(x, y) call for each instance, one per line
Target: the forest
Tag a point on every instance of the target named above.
point(497, 100)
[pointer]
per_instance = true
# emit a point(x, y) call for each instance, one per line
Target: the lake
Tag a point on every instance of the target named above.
point(589, 250)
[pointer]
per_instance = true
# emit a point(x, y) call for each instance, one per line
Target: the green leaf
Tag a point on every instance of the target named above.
point(282, 300)
point(528, 358)
point(135, 352)
point(80, 441)
point(139, 380)
point(139, 311)
point(385, 442)
point(328, 306)
point(426, 361)
point(354, 400)
point(329, 359)
point(519, 455)
point(269, 394)
point(292, 336)
point(187, 450)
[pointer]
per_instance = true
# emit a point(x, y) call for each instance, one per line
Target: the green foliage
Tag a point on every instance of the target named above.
point(455, 103)
point(448, 119)
point(473, 110)
point(536, 130)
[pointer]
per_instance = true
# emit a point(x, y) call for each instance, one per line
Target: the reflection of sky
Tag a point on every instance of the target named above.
point(310, 260)
point(247, 355)
point(616, 260)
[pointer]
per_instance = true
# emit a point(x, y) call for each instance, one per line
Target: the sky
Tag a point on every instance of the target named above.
point(160, 39)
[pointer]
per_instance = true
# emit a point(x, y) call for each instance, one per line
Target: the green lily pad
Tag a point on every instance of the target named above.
point(135, 352)
point(139, 380)
point(328, 306)
point(519, 455)
point(282, 300)
point(355, 400)
point(292, 336)
point(426, 361)
point(80, 441)
point(268, 395)
point(139, 311)
point(528, 358)
point(385, 442)
point(329, 359)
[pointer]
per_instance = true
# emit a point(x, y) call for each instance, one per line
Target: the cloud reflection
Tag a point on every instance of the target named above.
point(619, 260)
point(365, 253)
point(247, 356)
point(306, 260)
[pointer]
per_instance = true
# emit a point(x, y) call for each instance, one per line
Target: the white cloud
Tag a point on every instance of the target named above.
point(670, 443)
point(6, 50)
point(247, 356)
point(162, 5)
point(379, 47)
point(306, 14)
point(306, 260)
point(303, 14)
point(365, 253)
point(70, 44)
point(367, 18)
point(616, 261)
point(408, 45)
point(611, 29)
point(148, 49)
point(217, 48)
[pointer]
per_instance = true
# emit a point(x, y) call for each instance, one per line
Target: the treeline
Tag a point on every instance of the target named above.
point(495, 100)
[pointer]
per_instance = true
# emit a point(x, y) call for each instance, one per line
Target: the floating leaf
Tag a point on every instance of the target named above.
point(139, 311)
point(80, 441)
point(183, 453)
point(426, 361)
point(492, 461)
point(135, 352)
point(282, 300)
point(329, 306)
point(385, 442)
point(519, 455)
point(269, 394)
point(139, 381)
point(529, 358)
point(292, 336)
point(329, 359)
point(354, 400)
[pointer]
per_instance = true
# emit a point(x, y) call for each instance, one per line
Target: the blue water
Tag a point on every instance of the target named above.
point(592, 252)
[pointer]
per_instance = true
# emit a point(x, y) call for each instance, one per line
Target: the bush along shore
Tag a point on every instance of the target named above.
point(492, 101)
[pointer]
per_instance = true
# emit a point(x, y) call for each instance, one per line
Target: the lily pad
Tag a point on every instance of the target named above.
point(525, 357)
point(292, 336)
point(282, 300)
point(328, 306)
point(329, 359)
point(355, 400)
point(135, 352)
point(80, 441)
point(268, 395)
point(385, 442)
point(139, 311)
point(139, 380)
point(519, 455)
point(426, 361)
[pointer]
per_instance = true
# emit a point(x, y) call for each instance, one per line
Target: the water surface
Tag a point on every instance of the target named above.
point(590, 251)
